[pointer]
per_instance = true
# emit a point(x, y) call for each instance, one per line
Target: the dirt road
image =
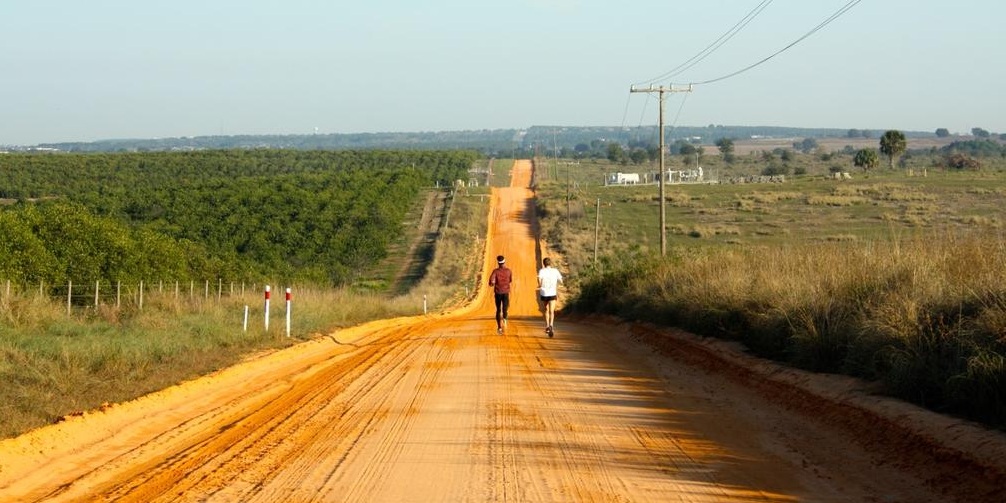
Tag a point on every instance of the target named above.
point(440, 408)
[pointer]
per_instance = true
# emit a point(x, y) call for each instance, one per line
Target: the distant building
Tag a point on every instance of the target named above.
point(623, 178)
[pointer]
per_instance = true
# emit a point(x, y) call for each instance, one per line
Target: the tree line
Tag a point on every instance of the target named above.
point(320, 216)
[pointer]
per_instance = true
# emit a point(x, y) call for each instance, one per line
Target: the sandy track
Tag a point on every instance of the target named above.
point(440, 408)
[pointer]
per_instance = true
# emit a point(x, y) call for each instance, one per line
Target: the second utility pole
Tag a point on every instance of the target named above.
point(660, 90)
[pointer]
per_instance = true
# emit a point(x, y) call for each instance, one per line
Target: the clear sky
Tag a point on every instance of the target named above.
point(74, 70)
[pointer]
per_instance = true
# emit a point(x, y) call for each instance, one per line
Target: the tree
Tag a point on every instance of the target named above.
point(866, 158)
point(726, 146)
point(980, 133)
point(615, 152)
point(942, 132)
point(686, 149)
point(806, 146)
point(893, 144)
point(637, 155)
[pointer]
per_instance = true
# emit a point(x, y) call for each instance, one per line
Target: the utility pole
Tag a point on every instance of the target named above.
point(597, 225)
point(661, 90)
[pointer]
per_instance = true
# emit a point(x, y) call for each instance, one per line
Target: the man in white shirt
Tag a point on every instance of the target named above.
point(548, 286)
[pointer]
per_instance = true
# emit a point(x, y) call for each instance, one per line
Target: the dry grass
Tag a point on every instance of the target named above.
point(885, 276)
point(925, 317)
point(836, 200)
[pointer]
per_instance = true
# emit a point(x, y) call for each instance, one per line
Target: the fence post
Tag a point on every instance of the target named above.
point(220, 288)
point(141, 296)
point(288, 312)
point(246, 318)
point(424, 303)
point(96, 284)
point(118, 294)
point(206, 291)
point(176, 289)
point(69, 294)
point(267, 308)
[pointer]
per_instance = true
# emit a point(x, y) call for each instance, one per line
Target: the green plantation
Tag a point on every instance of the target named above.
point(239, 215)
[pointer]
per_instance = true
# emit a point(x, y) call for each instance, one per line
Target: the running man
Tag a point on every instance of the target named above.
point(548, 287)
point(500, 280)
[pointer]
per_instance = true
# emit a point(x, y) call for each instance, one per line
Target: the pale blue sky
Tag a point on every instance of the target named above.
point(72, 70)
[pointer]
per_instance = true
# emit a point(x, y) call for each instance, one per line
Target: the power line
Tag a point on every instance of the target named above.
point(826, 22)
point(704, 53)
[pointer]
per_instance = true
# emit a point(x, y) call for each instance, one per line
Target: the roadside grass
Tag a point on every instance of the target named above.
point(453, 275)
point(892, 278)
point(54, 364)
point(384, 276)
point(501, 169)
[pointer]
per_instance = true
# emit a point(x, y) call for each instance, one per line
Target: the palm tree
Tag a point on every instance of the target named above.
point(893, 144)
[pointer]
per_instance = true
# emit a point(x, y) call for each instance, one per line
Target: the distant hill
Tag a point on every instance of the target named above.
point(500, 142)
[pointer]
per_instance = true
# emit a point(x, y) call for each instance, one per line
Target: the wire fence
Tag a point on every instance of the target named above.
point(96, 294)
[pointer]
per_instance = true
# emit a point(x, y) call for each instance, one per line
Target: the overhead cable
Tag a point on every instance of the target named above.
point(826, 22)
point(704, 53)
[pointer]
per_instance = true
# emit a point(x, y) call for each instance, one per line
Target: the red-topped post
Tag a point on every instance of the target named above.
point(267, 295)
point(288, 298)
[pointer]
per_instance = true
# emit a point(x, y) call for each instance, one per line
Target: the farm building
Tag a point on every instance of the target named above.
point(623, 178)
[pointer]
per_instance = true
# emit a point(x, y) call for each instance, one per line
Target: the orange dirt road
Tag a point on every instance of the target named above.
point(440, 408)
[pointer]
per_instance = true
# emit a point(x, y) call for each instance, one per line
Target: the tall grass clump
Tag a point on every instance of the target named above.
point(926, 318)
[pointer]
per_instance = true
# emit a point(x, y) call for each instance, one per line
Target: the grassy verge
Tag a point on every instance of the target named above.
point(453, 275)
point(891, 278)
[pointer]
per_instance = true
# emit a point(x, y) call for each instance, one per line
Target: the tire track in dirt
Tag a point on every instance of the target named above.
point(335, 424)
point(203, 451)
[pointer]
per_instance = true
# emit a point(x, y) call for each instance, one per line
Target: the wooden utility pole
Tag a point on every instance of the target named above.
point(597, 225)
point(660, 90)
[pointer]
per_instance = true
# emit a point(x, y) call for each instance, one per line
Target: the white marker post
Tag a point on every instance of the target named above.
point(288, 296)
point(267, 290)
point(246, 318)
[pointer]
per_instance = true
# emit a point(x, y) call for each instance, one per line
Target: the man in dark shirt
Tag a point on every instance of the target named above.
point(500, 281)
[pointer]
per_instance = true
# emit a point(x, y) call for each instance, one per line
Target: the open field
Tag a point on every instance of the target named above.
point(751, 145)
point(881, 205)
